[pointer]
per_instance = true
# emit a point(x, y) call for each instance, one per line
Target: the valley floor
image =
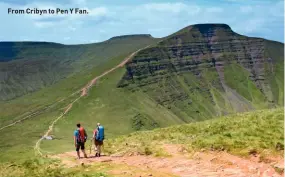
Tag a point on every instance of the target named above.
point(180, 163)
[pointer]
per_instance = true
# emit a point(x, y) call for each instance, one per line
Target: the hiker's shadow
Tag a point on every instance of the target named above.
point(93, 156)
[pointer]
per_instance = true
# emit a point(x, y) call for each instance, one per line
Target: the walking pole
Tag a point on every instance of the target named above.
point(90, 146)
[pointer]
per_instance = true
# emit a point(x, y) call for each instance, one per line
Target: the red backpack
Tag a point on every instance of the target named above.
point(82, 135)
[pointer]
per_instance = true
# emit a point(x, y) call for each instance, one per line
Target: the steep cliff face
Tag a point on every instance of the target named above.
point(207, 70)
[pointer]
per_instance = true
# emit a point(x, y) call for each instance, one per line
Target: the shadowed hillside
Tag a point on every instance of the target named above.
point(26, 67)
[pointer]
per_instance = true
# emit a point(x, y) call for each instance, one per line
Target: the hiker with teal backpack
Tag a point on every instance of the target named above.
point(98, 137)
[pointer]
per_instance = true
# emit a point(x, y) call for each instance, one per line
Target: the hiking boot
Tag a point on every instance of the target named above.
point(99, 155)
point(96, 155)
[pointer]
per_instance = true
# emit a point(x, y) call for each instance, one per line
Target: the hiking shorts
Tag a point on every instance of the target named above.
point(80, 145)
point(98, 143)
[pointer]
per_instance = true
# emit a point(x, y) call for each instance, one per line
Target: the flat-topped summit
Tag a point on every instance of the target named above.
point(211, 25)
point(131, 36)
point(205, 28)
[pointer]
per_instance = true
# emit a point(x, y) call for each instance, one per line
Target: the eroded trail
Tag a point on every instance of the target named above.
point(84, 92)
point(27, 115)
point(201, 164)
point(85, 89)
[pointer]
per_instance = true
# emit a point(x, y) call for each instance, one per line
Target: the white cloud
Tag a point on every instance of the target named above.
point(102, 31)
point(79, 2)
point(43, 24)
point(246, 9)
point(100, 11)
point(158, 19)
point(165, 7)
point(194, 10)
point(71, 28)
point(252, 25)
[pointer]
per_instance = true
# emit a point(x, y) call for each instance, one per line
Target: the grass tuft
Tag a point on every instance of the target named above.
point(242, 134)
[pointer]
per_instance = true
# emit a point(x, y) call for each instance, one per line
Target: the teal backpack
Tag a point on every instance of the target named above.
point(100, 133)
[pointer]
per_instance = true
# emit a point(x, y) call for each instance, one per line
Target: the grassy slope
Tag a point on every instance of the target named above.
point(120, 110)
point(32, 66)
point(20, 147)
point(51, 168)
point(107, 55)
point(276, 78)
point(260, 131)
point(47, 168)
point(243, 85)
point(233, 134)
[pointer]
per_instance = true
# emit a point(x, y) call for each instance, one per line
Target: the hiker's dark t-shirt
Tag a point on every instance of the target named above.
point(76, 134)
point(79, 145)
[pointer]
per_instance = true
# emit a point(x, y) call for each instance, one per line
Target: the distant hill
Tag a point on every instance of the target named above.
point(26, 67)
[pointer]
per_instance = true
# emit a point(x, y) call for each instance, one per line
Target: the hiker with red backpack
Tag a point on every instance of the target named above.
point(98, 137)
point(80, 137)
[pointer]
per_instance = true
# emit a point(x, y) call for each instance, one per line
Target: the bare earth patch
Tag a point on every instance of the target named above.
point(200, 164)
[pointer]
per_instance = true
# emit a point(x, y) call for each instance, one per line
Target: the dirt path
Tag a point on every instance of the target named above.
point(84, 92)
point(35, 113)
point(85, 89)
point(201, 164)
point(37, 146)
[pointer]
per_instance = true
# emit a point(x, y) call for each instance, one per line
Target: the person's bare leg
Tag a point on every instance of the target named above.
point(99, 150)
point(96, 150)
point(78, 154)
point(85, 155)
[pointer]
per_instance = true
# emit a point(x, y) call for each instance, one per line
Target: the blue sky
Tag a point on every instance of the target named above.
point(108, 18)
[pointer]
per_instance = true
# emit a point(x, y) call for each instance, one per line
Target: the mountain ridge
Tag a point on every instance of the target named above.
point(206, 51)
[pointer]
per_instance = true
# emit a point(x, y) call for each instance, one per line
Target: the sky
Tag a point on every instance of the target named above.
point(109, 18)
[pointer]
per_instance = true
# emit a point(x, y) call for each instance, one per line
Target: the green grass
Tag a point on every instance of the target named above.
point(243, 85)
point(105, 103)
point(33, 66)
point(46, 168)
point(15, 147)
point(240, 134)
point(107, 54)
point(117, 110)
point(43, 167)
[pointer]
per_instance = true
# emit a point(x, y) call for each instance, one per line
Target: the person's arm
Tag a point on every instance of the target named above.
point(85, 133)
point(94, 134)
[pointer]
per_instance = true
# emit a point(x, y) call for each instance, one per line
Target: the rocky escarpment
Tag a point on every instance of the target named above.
point(207, 69)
